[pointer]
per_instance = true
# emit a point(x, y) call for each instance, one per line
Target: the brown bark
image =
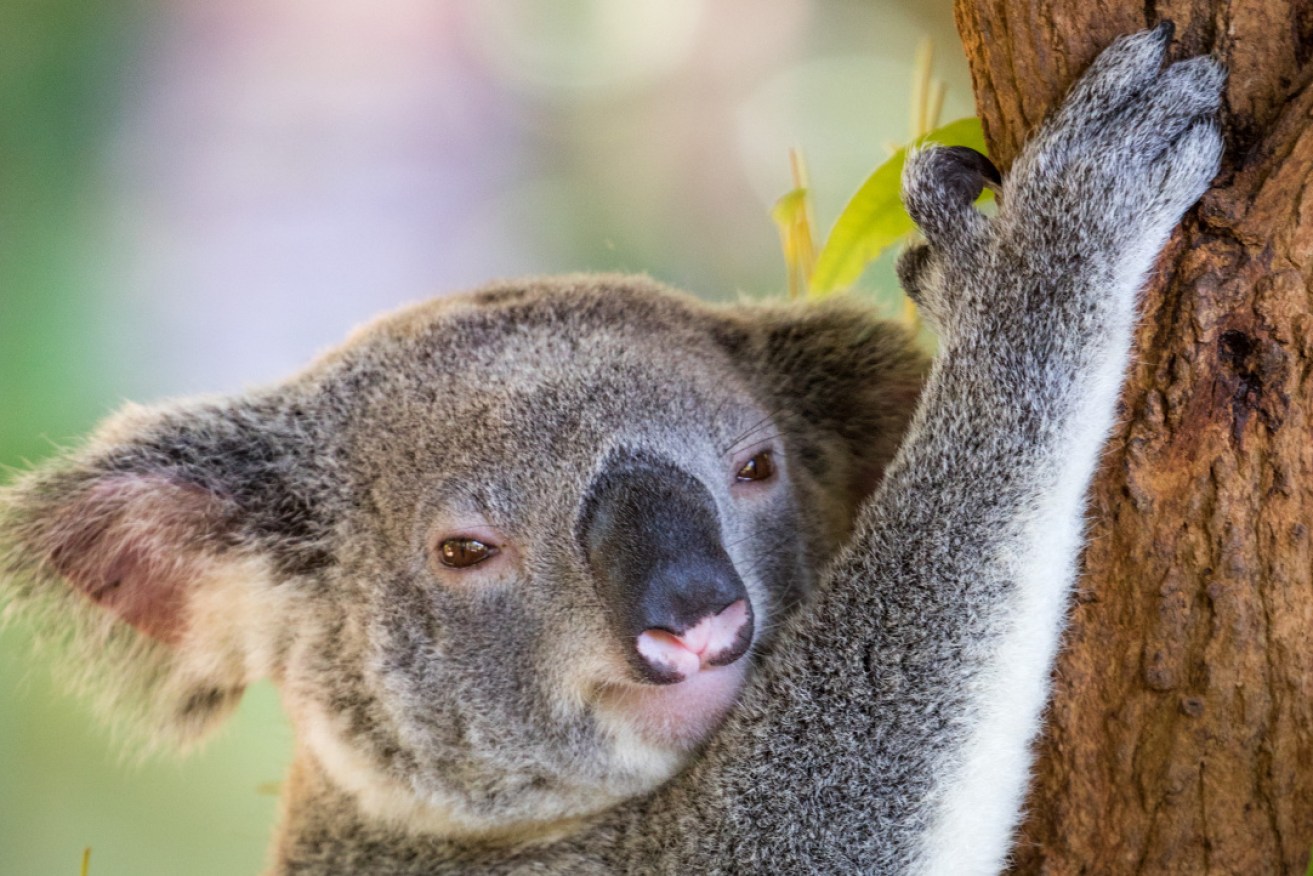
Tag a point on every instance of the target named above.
point(1180, 737)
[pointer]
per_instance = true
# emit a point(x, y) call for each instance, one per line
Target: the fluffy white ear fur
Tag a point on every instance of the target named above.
point(151, 612)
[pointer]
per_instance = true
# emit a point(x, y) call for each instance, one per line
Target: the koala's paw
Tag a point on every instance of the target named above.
point(940, 187)
point(1090, 200)
point(1133, 146)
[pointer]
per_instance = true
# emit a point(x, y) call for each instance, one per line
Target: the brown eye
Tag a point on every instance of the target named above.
point(759, 468)
point(460, 553)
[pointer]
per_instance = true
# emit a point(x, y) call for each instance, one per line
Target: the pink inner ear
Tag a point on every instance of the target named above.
point(142, 589)
point(131, 545)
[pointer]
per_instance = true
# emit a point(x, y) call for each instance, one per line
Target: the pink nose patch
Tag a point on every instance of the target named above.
point(697, 647)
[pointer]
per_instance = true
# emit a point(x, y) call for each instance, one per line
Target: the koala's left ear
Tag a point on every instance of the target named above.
point(848, 381)
point(151, 556)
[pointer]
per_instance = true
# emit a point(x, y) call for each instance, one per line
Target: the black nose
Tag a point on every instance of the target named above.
point(652, 537)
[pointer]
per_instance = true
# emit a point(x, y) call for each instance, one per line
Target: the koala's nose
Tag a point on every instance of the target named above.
point(674, 600)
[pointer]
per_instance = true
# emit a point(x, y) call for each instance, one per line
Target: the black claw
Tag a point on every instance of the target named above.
point(1165, 30)
point(965, 172)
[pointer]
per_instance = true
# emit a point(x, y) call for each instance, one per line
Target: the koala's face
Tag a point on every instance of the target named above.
point(508, 557)
point(561, 540)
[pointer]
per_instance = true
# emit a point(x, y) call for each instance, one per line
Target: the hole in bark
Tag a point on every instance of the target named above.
point(1239, 353)
point(1235, 346)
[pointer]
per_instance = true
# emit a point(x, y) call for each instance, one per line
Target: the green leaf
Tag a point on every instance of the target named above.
point(789, 208)
point(792, 214)
point(874, 219)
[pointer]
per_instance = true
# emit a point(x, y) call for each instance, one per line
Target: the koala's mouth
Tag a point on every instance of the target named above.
point(681, 714)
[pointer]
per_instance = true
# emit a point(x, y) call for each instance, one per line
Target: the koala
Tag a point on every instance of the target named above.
point(580, 575)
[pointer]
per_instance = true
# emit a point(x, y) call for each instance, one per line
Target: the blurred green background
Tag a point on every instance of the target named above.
point(197, 197)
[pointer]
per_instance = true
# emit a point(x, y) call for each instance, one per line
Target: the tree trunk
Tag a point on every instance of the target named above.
point(1180, 737)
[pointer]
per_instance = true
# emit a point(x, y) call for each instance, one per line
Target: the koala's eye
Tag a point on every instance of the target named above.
point(459, 553)
point(759, 468)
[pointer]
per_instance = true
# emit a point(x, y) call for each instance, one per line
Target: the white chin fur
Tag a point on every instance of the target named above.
point(675, 716)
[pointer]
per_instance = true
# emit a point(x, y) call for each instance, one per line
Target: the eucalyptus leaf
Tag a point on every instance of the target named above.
point(874, 219)
point(789, 208)
point(792, 214)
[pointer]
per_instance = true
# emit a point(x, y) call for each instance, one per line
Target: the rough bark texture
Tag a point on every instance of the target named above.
point(1180, 738)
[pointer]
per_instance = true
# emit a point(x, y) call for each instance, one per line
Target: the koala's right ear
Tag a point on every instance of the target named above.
point(149, 556)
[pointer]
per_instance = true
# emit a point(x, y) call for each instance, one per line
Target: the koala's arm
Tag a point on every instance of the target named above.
point(889, 731)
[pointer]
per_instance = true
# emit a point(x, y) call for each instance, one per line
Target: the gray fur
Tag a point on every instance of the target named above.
point(885, 726)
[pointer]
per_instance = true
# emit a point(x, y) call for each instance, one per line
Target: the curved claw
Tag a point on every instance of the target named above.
point(966, 172)
point(940, 187)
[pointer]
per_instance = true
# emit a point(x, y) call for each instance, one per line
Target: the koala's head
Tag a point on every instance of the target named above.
point(507, 556)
